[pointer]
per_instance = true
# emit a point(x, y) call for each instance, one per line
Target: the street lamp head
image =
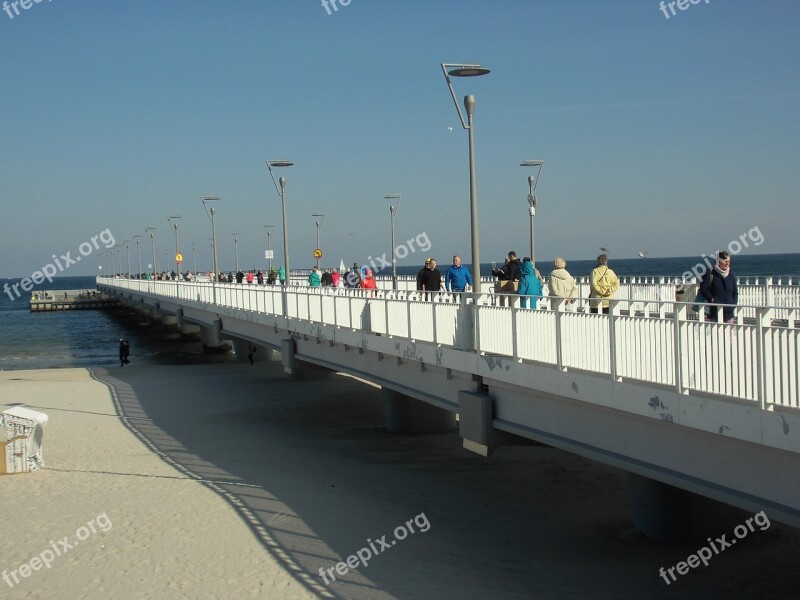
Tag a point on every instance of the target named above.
point(392, 197)
point(531, 163)
point(280, 163)
point(467, 70)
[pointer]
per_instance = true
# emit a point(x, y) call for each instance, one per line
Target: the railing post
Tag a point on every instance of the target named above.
point(612, 337)
point(761, 332)
point(561, 303)
point(514, 313)
point(678, 316)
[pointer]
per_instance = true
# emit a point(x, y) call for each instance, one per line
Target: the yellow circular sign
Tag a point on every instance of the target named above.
point(179, 257)
point(317, 253)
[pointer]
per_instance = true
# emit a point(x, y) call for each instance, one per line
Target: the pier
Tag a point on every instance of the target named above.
point(61, 300)
point(687, 407)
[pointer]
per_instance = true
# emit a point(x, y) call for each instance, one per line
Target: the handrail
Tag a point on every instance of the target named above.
point(655, 341)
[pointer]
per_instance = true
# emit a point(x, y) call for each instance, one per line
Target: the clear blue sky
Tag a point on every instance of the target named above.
point(665, 135)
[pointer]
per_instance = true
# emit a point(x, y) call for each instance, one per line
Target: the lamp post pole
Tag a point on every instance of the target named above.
point(210, 212)
point(393, 213)
point(532, 182)
point(150, 231)
point(139, 255)
point(321, 217)
point(269, 229)
point(194, 258)
point(172, 220)
point(469, 70)
point(236, 244)
point(128, 248)
point(282, 193)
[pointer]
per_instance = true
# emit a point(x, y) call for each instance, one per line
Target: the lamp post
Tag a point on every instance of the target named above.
point(393, 213)
point(210, 212)
point(532, 182)
point(139, 254)
point(173, 223)
point(128, 247)
point(282, 193)
point(150, 231)
point(194, 257)
point(469, 70)
point(321, 217)
point(236, 243)
point(269, 229)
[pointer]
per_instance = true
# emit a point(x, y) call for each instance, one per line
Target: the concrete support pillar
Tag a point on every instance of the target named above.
point(190, 333)
point(405, 414)
point(298, 369)
point(212, 339)
point(243, 350)
point(668, 514)
point(170, 322)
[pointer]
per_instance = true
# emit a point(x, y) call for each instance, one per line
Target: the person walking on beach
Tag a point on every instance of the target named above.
point(124, 352)
point(562, 284)
point(457, 279)
point(530, 286)
point(604, 284)
point(719, 286)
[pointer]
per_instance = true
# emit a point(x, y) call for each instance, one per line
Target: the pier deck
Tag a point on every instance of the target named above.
point(61, 300)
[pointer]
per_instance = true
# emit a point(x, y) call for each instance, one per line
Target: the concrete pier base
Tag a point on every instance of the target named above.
point(212, 339)
point(170, 323)
point(190, 333)
point(667, 514)
point(405, 414)
point(298, 369)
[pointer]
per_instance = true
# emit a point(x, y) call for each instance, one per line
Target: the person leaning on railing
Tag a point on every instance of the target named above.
point(719, 286)
point(562, 284)
point(604, 284)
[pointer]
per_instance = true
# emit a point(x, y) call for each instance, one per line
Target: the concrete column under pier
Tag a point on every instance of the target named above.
point(170, 322)
point(405, 414)
point(298, 369)
point(667, 514)
point(189, 332)
point(212, 339)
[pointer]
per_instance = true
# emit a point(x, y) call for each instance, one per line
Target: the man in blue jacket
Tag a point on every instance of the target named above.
point(457, 278)
point(719, 286)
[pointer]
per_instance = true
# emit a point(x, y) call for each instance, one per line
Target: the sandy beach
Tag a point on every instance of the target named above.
point(229, 481)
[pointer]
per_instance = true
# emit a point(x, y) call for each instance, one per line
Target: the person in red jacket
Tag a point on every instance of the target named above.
point(368, 282)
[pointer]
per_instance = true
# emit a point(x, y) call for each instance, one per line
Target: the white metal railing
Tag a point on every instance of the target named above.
point(659, 342)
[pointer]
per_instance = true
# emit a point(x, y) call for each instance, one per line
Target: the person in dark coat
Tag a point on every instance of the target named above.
point(719, 286)
point(124, 352)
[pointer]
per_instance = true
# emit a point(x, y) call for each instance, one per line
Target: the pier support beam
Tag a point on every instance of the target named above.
point(212, 339)
point(405, 414)
point(667, 514)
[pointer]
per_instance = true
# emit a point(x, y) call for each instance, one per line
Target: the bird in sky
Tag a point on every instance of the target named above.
point(604, 249)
